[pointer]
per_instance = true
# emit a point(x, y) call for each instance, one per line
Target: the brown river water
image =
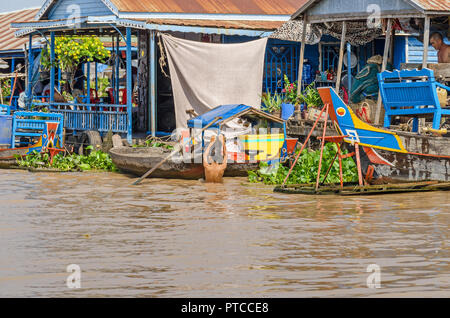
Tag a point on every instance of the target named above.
point(174, 238)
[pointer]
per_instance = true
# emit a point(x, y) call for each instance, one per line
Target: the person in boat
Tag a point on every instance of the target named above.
point(437, 42)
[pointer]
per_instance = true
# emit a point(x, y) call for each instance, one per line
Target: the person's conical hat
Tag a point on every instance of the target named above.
point(376, 59)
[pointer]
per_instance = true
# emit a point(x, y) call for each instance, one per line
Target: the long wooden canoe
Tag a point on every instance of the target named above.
point(137, 161)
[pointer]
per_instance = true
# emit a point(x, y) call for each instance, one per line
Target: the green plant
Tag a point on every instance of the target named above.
point(310, 96)
point(103, 84)
point(306, 169)
point(96, 160)
point(70, 52)
point(152, 143)
point(291, 92)
point(271, 103)
point(5, 87)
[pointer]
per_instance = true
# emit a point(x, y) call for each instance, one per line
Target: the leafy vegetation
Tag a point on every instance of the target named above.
point(70, 52)
point(5, 87)
point(154, 143)
point(310, 96)
point(96, 160)
point(306, 169)
point(271, 103)
point(291, 92)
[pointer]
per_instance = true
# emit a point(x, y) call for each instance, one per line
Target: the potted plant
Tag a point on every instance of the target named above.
point(310, 96)
point(271, 103)
point(291, 96)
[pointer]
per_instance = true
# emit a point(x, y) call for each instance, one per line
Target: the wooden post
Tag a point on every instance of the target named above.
point(349, 67)
point(341, 57)
point(358, 165)
point(88, 83)
point(392, 48)
point(320, 57)
point(129, 87)
point(302, 56)
point(426, 41)
point(30, 71)
point(383, 66)
point(52, 69)
point(153, 83)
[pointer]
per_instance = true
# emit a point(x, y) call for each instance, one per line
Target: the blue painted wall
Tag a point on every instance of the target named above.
point(87, 8)
point(415, 51)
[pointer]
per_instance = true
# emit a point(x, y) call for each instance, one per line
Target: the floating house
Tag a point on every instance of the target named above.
point(122, 21)
point(125, 21)
point(361, 22)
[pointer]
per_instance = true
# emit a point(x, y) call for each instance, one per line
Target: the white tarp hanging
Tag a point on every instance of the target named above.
point(206, 75)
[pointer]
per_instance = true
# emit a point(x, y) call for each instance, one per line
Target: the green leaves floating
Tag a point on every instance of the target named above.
point(306, 169)
point(96, 160)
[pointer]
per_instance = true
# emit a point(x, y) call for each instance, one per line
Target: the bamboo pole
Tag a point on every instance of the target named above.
point(321, 148)
point(302, 57)
point(383, 66)
point(341, 56)
point(304, 144)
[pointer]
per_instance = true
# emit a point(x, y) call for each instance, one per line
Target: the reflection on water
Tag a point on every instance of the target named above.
point(173, 238)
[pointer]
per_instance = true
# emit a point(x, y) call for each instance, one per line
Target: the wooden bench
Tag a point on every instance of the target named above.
point(411, 93)
point(25, 124)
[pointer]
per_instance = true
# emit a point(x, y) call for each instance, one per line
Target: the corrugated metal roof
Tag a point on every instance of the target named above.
point(8, 41)
point(241, 25)
point(256, 7)
point(433, 5)
point(422, 5)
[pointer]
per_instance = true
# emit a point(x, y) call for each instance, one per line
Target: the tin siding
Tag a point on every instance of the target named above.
point(87, 8)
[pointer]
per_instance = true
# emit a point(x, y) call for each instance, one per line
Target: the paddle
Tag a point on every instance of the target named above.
point(178, 147)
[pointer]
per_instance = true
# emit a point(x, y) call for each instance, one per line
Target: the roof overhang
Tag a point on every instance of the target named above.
point(104, 24)
point(414, 11)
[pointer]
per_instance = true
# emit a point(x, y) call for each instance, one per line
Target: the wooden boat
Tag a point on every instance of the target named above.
point(8, 156)
point(392, 154)
point(137, 161)
point(355, 189)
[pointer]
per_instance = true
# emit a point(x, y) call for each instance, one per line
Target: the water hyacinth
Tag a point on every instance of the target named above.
point(306, 169)
point(96, 160)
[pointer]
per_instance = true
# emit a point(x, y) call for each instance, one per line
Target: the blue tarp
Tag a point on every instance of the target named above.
point(224, 111)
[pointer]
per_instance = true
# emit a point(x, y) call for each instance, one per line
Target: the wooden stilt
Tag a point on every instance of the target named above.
point(341, 57)
point(302, 56)
point(358, 164)
point(341, 177)
point(383, 67)
point(426, 42)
